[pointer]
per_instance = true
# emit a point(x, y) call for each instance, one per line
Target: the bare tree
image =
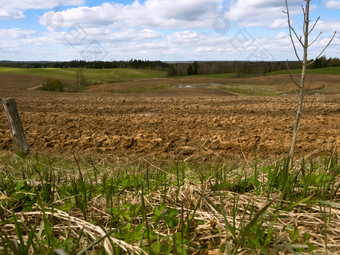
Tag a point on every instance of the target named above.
point(304, 42)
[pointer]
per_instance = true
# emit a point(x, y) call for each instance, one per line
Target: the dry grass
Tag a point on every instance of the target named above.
point(213, 214)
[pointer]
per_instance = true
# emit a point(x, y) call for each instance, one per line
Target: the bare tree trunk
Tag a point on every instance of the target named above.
point(303, 78)
point(305, 45)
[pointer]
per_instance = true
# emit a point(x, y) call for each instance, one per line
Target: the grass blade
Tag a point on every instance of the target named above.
point(96, 242)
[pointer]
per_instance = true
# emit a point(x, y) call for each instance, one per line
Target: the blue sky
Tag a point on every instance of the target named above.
point(159, 29)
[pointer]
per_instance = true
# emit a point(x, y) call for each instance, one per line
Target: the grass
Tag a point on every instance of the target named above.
point(326, 70)
point(141, 89)
point(222, 75)
point(57, 73)
point(121, 74)
point(118, 206)
point(249, 89)
point(93, 76)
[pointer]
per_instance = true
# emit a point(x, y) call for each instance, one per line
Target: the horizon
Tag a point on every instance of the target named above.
point(169, 62)
point(200, 30)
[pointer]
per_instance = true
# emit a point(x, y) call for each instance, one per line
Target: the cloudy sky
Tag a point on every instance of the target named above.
point(168, 30)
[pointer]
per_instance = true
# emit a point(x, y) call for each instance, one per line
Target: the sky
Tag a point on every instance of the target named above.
point(166, 30)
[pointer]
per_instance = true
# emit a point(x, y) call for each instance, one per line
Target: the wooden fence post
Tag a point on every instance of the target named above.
point(19, 140)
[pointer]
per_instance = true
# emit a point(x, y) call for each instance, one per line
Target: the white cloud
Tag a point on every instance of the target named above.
point(149, 44)
point(328, 26)
point(15, 33)
point(261, 13)
point(6, 13)
point(106, 35)
point(159, 29)
point(14, 9)
point(13, 40)
point(176, 14)
point(185, 37)
point(333, 4)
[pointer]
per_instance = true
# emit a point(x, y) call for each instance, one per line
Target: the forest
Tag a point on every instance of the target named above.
point(239, 68)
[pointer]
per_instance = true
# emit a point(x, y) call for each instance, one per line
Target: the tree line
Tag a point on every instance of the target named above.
point(243, 68)
point(239, 68)
point(133, 63)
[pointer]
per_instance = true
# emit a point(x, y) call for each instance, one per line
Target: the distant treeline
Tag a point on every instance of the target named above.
point(133, 63)
point(240, 68)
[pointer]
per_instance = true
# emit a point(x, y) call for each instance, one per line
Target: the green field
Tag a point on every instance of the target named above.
point(94, 76)
point(270, 84)
point(221, 75)
point(326, 70)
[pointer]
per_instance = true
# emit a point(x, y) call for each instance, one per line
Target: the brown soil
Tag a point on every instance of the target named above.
point(19, 81)
point(328, 84)
point(23, 81)
point(172, 123)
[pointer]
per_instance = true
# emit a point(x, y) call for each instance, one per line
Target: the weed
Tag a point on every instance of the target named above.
point(63, 207)
point(53, 85)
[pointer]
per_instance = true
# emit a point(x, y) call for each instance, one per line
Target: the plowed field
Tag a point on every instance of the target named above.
point(170, 123)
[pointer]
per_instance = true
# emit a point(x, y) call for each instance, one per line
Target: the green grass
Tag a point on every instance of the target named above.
point(326, 70)
point(222, 75)
point(94, 76)
point(57, 73)
point(121, 74)
point(73, 206)
point(250, 90)
point(141, 89)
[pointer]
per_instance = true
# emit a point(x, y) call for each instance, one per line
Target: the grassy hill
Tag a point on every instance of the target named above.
point(221, 75)
point(325, 80)
point(326, 70)
point(91, 75)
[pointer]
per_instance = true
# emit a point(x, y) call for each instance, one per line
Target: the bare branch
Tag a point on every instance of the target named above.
point(297, 37)
point(316, 22)
point(291, 77)
point(303, 78)
point(290, 32)
point(330, 41)
point(314, 40)
point(306, 45)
